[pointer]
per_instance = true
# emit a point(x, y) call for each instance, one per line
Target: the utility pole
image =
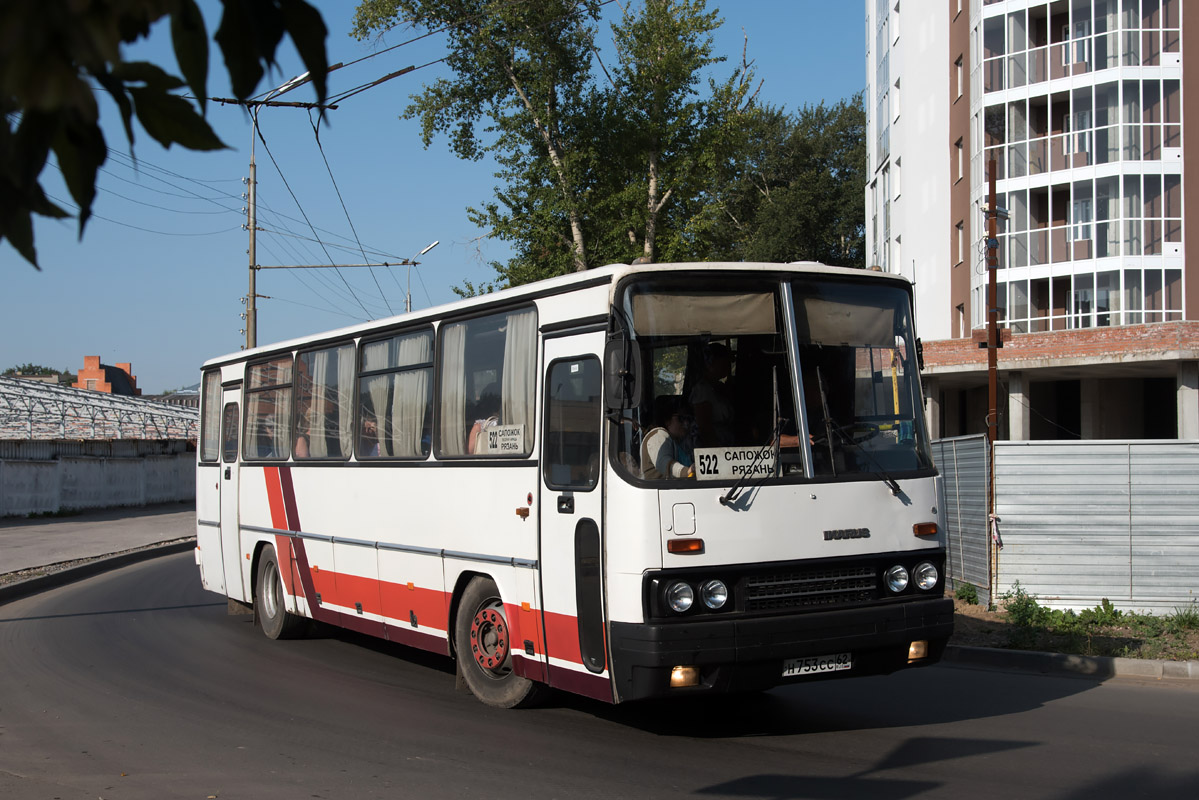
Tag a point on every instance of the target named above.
point(254, 106)
point(994, 342)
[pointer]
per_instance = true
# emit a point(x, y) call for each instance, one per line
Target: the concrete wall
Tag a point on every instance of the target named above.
point(73, 483)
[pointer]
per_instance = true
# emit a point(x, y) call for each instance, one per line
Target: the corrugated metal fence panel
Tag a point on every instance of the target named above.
point(1165, 525)
point(963, 464)
point(1084, 521)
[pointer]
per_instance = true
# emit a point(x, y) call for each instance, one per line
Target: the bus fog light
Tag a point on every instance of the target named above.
point(917, 650)
point(896, 578)
point(680, 596)
point(925, 575)
point(715, 594)
point(684, 676)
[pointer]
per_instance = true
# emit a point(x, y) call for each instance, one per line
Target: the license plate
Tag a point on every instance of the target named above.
point(810, 666)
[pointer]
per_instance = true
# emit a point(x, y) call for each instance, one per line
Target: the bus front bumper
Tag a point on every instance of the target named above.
point(751, 654)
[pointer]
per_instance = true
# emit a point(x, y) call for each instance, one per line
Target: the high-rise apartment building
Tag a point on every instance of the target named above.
point(1082, 107)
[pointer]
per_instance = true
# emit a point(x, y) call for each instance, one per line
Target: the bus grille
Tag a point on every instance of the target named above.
point(818, 587)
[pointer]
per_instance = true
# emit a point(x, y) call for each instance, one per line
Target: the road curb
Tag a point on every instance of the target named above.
point(67, 575)
point(1097, 667)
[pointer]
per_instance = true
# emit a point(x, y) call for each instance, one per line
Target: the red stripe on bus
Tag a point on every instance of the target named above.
point(289, 500)
point(274, 496)
point(559, 638)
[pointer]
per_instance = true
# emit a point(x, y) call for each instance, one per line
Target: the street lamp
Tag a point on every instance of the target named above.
point(412, 262)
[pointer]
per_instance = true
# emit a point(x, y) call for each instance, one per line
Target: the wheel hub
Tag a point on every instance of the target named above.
point(489, 639)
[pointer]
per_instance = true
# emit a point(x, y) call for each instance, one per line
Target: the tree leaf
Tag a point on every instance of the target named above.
point(17, 228)
point(79, 146)
point(239, 46)
point(171, 119)
point(190, 39)
point(308, 33)
point(153, 76)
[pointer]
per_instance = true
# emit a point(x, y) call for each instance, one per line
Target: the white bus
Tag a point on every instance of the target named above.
point(633, 482)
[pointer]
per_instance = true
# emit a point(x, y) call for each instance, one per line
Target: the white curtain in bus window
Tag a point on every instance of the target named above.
point(410, 399)
point(715, 313)
point(395, 403)
point(453, 390)
point(268, 410)
point(210, 449)
point(519, 377)
point(325, 404)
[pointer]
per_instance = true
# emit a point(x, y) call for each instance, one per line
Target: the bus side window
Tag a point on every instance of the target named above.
point(572, 430)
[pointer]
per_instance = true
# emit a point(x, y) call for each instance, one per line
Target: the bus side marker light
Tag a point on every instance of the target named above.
point(684, 676)
point(685, 546)
point(523, 513)
point(917, 651)
point(247, 556)
point(524, 606)
point(925, 529)
point(411, 586)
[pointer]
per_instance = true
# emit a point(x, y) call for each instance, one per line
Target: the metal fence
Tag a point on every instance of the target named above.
point(964, 465)
point(1084, 521)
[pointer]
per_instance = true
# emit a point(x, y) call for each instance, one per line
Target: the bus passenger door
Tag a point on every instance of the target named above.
point(230, 511)
point(571, 551)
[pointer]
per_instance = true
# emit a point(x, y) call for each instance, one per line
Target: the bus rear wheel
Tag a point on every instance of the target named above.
point(483, 641)
point(269, 605)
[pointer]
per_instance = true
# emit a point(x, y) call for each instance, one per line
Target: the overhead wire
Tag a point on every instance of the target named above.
point(262, 138)
point(316, 134)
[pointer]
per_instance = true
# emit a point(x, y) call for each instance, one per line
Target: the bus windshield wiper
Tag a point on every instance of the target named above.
point(830, 426)
point(731, 495)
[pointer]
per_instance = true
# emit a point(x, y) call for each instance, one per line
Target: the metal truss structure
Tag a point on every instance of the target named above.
point(35, 410)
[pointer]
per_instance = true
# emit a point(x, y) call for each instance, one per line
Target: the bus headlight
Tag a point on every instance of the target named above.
point(714, 594)
point(925, 575)
point(896, 578)
point(680, 596)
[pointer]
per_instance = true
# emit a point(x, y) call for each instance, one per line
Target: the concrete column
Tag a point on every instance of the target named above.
point(1019, 413)
point(932, 408)
point(1088, 398)
point(1188, 400)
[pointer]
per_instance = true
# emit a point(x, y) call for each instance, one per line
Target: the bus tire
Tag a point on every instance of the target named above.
point(269, 606)
point(483, 643)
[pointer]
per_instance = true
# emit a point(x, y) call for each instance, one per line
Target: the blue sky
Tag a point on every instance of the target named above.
point(159, 276)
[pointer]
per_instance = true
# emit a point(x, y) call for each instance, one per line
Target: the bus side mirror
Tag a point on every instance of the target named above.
point(622, 375)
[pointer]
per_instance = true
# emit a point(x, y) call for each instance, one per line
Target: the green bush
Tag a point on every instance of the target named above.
point(967, 593)
point(1023, 609)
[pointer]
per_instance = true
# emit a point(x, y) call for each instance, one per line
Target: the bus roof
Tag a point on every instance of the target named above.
point(600, 275)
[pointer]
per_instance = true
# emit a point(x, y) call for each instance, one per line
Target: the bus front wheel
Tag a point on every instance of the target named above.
point(483, 641)
point(269, 605)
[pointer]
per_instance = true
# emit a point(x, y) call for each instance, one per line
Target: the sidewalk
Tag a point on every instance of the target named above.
point(52, 548)
point(46, 551)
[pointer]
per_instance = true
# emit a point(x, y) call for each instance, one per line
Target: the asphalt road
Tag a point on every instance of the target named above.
point(137, 684)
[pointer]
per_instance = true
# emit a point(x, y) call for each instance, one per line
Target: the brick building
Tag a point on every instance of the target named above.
point(1082, 105)
point(104, 378)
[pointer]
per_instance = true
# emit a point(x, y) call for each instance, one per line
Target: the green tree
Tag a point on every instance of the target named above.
point(521, 69)
point(664, 127)
point(30, 369)
point(56, 51)
point(792, 189)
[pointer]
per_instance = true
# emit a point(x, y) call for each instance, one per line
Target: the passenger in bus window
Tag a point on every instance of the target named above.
point(370, 437)
point(489, 417)
point(302, 445)
point(711, 397)
point(664, 453)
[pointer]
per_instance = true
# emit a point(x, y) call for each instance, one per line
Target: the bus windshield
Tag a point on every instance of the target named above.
point(723, 361)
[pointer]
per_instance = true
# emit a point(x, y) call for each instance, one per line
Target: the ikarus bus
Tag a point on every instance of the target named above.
point(633, 482)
